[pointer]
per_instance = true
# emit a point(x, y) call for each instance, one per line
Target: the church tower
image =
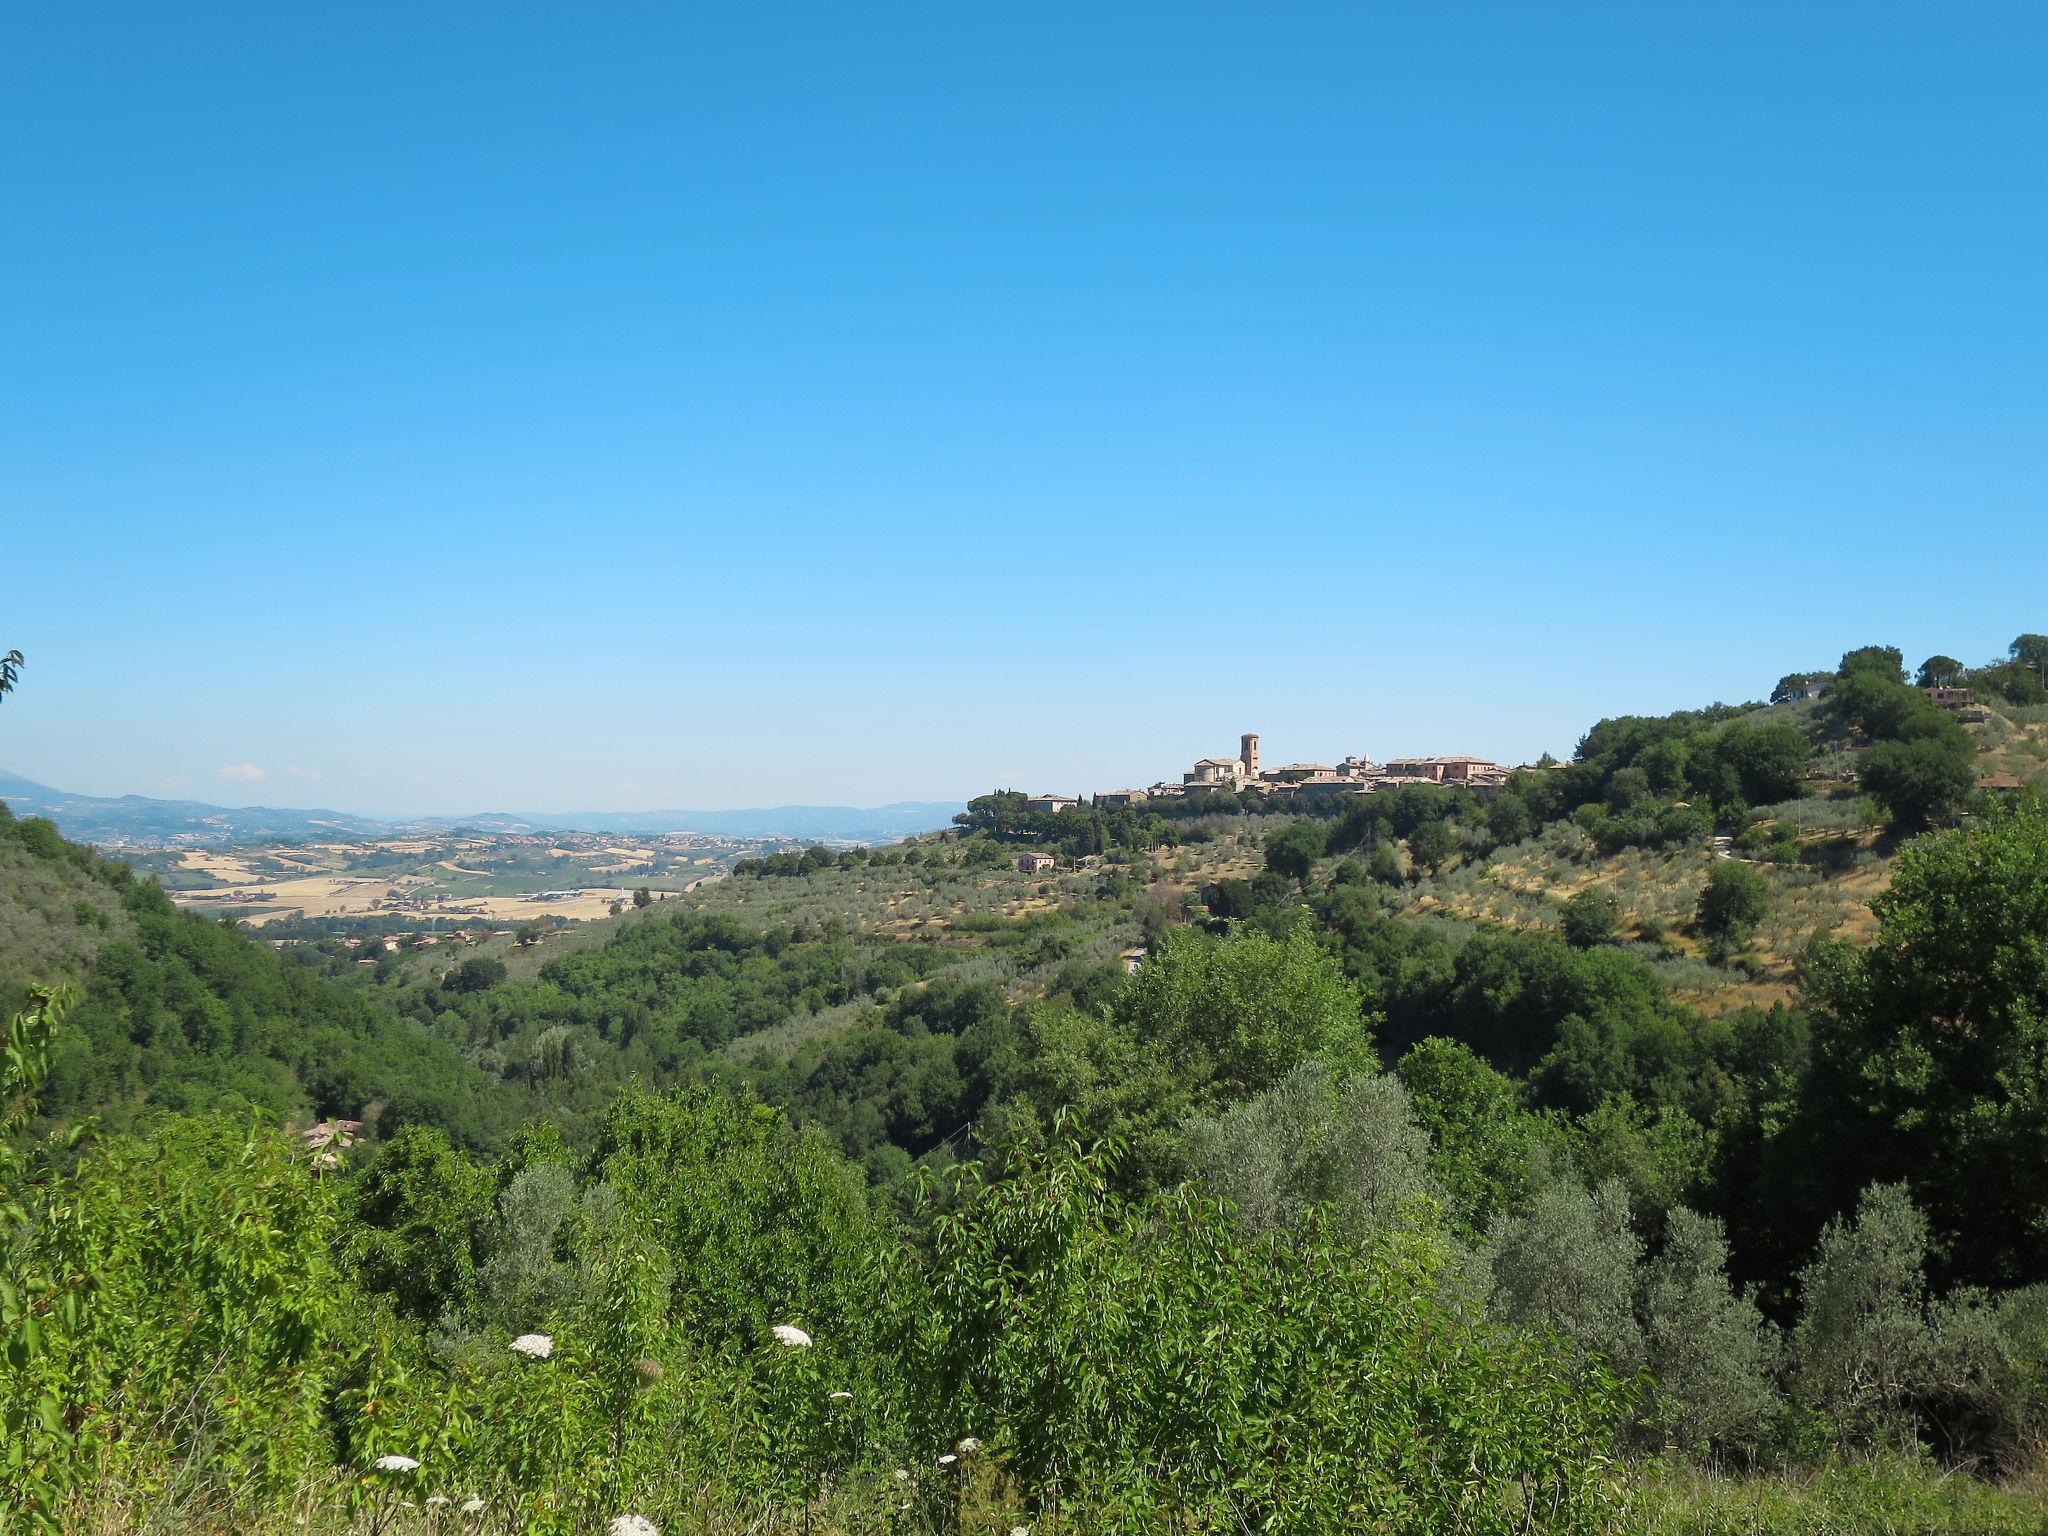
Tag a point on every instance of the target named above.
point(1248, 754)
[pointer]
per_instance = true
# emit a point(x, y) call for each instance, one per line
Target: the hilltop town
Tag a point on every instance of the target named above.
point(1353, 776)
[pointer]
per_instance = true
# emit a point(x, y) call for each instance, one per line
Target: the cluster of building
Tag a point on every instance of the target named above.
point(1353, 776)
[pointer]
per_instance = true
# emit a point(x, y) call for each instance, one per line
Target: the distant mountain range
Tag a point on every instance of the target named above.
point(136, 821)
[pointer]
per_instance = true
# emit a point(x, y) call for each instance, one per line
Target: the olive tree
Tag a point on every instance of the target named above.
point(1710, 1350)
point(1567, 1265)
point(1354, 1147)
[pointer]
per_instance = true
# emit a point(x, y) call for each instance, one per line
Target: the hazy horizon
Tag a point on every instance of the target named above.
point(415, 412)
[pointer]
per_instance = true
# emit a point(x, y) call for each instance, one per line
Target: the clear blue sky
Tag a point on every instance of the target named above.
point(436, 407)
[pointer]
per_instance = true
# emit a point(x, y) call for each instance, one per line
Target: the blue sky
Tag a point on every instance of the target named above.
point(430, 408)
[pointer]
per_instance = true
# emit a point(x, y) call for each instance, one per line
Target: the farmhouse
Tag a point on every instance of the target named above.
point(1050, 803)
point(1032, 863)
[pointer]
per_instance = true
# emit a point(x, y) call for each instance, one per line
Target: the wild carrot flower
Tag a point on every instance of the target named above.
point(535, 1346)
point(472, 1506)
point(968, 1446)
point(948, 1459)
point(632, 1525)
point(793, 1336)
point(840, 1397)
point(396, 1464)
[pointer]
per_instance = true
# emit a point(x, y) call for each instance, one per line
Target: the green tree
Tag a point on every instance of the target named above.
point(1488, 1147)
point(1735, 899)
point(1590, 917)
point(1710, 1352)
point(1293, 850)
point(480, 973)
point(1229, 899)
point(420, 1215)
point(1508, 819)
point(1240, 1012)
point(1568, 1265)
point(2027, 650)
point(1860, 1350)
point(1885, 660)
point(1352, 1148)
point(10, 672)
point(1919, 783)
point(1430, 845)
point(1934, 1042)
point(1768, 762)
point(643, 897)
point(1940, 672)
point(1627, 789)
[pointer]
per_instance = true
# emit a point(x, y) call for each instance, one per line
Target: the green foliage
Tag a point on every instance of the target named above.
point(1294, 848)
point(1240, 1013)
point(1711, 1354)
point(180, 1013)
point(1861, 1347)
point(1431, 845)
point(1919, 783)
point(1567, 1266)
point(1940, 671)
point(1488, 1147)
point(1082, 830)
point(1935, 1043)
point(1882, 661)
point(1064, 1317)
point(167, 1313)
point(419, 1214)
point(1352, 1151)
point(1590, 917)
point(1736, 898)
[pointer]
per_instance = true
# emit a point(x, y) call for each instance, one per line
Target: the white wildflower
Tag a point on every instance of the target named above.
point(968, 1446)
point(1020, 1530)
point(632, 1525)
point(902, 1474)
point(840, 1397)
point(396, 1464)
point(948, 1459)
point(436, 1500)
point(793, 1336)
point(472, 1506)
point(535, 1346)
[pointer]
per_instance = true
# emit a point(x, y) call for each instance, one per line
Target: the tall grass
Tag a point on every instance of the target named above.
point(1890, 1497)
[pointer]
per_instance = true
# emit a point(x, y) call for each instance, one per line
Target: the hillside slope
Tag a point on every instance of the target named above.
point(178, 1012)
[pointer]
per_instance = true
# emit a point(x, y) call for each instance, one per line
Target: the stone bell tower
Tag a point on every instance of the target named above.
point(1248, 754)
